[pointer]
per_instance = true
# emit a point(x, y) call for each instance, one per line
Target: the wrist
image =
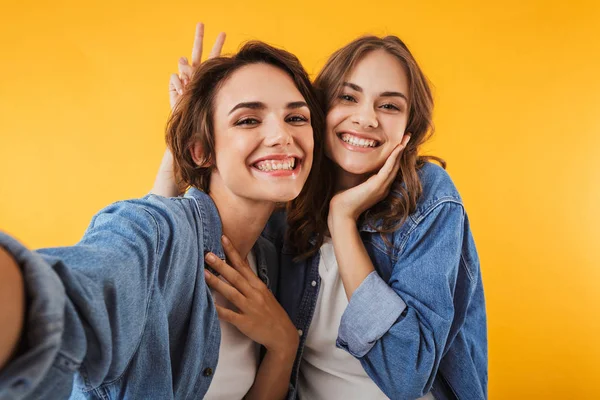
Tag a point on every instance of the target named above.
point(340, 221)
point(286, 348)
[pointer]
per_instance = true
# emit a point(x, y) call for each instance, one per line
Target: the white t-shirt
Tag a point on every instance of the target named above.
point(238, 357)
point(327, 372)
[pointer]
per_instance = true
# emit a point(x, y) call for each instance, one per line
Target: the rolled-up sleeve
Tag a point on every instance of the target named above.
point(373, 308)
point(399, 330)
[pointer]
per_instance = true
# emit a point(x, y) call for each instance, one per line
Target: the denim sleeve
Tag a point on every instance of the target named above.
point(86, 305)
point(398, 330)
point(373, 308)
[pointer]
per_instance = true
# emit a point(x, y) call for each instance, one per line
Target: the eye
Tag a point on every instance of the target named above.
point(391, 107)
point(347, 97)
point(297, 119)
point(247, 122)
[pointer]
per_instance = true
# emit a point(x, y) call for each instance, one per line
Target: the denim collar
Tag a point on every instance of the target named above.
point(211, 222)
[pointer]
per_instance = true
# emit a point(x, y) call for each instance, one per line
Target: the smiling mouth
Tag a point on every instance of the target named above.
point(358, 141)
point(287, 164)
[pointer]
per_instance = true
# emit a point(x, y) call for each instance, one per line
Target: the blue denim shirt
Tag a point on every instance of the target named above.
point(418, 322)
point(124, 313)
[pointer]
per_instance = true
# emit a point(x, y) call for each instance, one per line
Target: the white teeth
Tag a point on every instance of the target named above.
point(287, 164)
point(356, 141)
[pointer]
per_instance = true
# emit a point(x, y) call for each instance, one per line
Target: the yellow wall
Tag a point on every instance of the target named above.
point(83, 102)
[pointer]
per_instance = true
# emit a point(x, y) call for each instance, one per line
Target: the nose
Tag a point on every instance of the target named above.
point(278, 133)
point(365, 117)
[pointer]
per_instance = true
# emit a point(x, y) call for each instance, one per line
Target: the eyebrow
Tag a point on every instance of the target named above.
point(384, 94)
point(258, 105)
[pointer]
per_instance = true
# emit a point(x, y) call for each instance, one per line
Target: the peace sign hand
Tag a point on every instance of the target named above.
point(178, 82)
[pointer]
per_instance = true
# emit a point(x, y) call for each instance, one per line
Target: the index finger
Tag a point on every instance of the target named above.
point(393, 160)
point(237, 262)
point(218, 46)
point(390, 163)
point(197, 48)
point(233, 277)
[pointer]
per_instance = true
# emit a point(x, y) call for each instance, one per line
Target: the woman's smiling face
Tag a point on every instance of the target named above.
point(368, 120)
point(263, 135)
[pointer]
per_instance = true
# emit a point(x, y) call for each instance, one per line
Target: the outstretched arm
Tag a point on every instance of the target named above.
point(80, 300)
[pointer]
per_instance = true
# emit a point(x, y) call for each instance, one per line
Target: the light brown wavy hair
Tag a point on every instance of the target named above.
point(307, 234)
point(192, 118)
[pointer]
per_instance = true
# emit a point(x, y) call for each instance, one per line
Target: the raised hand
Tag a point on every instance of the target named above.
point(353, 202)
point(164, 183)
point(178, 82)
point(258, 316)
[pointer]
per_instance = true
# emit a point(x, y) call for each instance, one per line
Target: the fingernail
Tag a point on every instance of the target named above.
point(210, 257)
point(183, 60)
point(225, 240)
point(206, 274)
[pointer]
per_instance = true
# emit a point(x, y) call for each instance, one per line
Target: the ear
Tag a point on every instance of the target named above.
point(198, 155)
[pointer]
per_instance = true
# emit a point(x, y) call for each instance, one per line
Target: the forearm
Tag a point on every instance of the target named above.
point(12, 306)
point(164, 183)
point(273, 378)
point(353, 260)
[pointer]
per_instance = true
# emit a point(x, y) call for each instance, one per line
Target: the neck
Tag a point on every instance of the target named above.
point(243, 219)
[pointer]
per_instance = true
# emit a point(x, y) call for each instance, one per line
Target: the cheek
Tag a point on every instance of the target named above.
point(394, 128)
point(335, 116)
point(232, 153)
point(306, 141)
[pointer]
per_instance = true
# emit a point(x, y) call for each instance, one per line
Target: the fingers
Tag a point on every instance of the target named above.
point(227, 315)
point(185, 71)
point(390, 163)
point(232, 276)
point(175, 84)
point(238, 262)
point(228, 291)
point(197, 48)
point(175, 90)
point(394, 157)
point(218, 46)
point(393, 161)
point(405, 139)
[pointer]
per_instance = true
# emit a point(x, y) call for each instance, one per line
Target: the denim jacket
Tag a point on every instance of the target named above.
point(418, 322)
point(126, 312)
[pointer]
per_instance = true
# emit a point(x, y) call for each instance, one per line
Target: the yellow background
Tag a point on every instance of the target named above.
point(83, 104)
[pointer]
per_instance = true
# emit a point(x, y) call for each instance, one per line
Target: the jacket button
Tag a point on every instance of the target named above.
point(208, 371)
point(313, 283)
point(300, 333)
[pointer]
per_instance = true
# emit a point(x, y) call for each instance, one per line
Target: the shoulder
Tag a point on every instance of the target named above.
point(439, 206)
point(152, 212)
point(438, 190)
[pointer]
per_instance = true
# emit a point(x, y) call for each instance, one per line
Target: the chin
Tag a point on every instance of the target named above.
point(356, 168)
point(281, 194)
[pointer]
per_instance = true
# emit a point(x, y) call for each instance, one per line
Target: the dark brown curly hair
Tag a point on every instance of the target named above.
point(307, 223)
point(192, 118)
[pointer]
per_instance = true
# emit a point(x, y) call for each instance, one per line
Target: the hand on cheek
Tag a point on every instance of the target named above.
point(351, 203)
